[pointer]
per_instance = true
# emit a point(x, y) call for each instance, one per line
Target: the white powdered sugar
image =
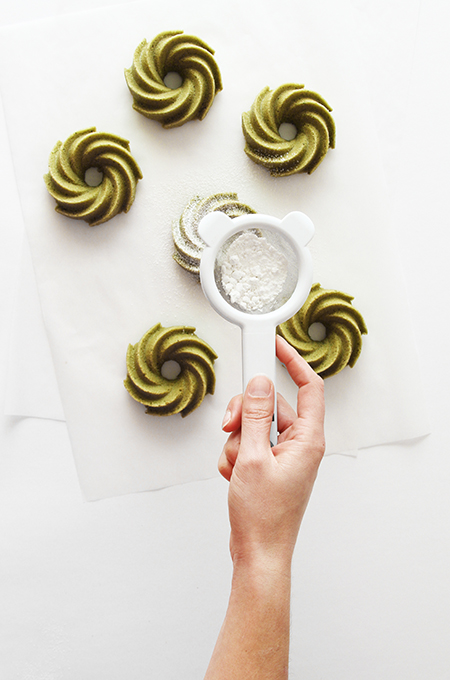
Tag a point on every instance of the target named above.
point(253, 272)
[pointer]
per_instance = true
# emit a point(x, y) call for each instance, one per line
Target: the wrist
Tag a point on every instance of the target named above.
point(262, 565)
point(262, 584)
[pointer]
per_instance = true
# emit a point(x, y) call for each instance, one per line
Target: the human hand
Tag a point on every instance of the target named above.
point(270, 487)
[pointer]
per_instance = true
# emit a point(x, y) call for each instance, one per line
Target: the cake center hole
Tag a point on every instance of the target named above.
point(170, 370)
point(287, 131)
point(93, 177)
point(317, 331)
point(173, 80)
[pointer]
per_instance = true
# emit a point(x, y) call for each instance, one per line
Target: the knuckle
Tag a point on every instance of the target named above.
point(224, 469)
point(320, 447)
point(252, 464)
point(317, 448)
point(311, 440)
point(229, 453)
point(257, 413)
point(235, 402)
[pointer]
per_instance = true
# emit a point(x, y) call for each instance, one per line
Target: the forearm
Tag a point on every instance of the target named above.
point(268, 494)
point(254, 639)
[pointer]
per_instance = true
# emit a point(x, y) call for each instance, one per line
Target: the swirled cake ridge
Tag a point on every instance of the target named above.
point(192, 59)
point(310, 115)
point(66, 182)
point(163, 396)
point(344, 327)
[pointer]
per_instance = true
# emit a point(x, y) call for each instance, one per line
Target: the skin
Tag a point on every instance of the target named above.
point(269, 490)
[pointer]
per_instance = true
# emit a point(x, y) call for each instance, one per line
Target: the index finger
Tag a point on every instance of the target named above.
point(310, 386)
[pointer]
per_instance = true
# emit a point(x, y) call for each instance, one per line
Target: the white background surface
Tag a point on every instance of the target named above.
point(137, 586)
point(102, 288)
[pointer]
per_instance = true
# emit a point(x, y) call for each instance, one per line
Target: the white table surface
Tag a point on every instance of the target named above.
point(137, 586)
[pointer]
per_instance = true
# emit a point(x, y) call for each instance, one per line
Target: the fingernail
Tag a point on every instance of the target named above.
point(259, 386)
point(226, 418)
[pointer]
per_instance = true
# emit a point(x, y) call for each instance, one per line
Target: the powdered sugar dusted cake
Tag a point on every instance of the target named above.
point(187, 241)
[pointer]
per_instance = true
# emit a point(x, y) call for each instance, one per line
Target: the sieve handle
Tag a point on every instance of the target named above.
point(258, 356)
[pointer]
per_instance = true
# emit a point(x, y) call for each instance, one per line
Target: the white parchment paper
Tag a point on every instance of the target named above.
point(102, 288)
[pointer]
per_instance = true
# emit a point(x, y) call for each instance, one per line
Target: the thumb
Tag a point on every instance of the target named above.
point(257, 414)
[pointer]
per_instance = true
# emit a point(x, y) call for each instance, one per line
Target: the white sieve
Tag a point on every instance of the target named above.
point(258, 322)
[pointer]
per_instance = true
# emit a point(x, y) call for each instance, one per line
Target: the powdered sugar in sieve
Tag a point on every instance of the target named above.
point(254, 271)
